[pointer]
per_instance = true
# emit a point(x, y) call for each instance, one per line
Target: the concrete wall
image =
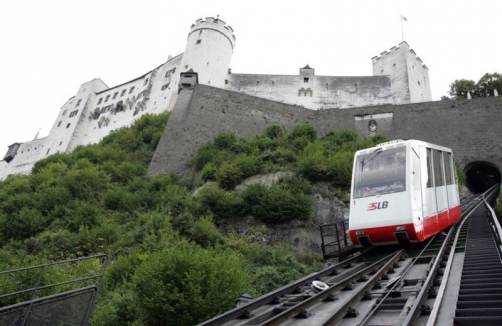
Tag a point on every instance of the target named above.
point(315, 92)
point(470, 128)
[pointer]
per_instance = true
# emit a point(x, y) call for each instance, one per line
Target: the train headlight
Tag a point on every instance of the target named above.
point(401, 228)
point(359, 232)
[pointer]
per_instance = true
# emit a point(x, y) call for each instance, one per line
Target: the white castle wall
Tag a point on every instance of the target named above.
point(96, 110)
point(209, 50)
point(315, 92)
point(408, 75)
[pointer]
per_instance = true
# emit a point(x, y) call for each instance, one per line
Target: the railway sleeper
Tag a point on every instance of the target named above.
point(478, 304)
point(486, 312)
point(474, 321)
point(480, 297)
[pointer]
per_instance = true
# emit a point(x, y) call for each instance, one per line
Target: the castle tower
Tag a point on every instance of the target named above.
point(209, 50)
point(409, 76)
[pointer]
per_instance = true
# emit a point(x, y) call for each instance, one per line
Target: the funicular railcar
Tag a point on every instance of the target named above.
point(402, 192)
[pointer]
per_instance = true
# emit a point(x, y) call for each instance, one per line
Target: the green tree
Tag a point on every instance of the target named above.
point(460, 87)
point(185, 284)
point(486, 86)
point(489, 83)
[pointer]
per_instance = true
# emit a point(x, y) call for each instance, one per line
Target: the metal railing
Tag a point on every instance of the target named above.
point(488, 199)
point(334, 239)
point(35, 299)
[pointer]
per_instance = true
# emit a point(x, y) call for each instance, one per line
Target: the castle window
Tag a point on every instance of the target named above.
point(305, 80)
point(123, 93)
point(226, 81)
point(165, 86)
point(78, 103)
point(381, 71)
point(131, 90)
point(64, 112)
point(59, 123)
point(119, 107)
point(47, 152)
point(107, 98)
point(74, 113)
point(68, 125)
point(60, 143)
point(115, 95)
point(145, 82)
point(418, 82)
point(100, 100)
point(198, 42)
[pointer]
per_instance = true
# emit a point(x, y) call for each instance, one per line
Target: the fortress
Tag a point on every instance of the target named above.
point(399, 77)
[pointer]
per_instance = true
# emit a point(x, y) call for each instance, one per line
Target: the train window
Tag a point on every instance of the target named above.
point(380, 172)
point(447, 168)
point(438, 168)
point(429, 168)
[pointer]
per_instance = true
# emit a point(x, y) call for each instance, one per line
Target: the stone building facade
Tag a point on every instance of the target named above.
point(399, 77)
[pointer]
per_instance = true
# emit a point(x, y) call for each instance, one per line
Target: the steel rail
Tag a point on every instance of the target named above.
point(422, 295)
point(269, 297)
point(383, 264)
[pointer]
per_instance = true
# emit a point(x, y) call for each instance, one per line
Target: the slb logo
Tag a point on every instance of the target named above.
point(378, 205)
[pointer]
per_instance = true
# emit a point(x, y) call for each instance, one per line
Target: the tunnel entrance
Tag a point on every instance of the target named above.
point(480, 176)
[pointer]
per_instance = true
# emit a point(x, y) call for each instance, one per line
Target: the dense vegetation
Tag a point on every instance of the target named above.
point(170, 263)
point(228, 160)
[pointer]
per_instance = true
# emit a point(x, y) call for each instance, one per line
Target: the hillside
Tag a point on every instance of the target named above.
point(176, 257)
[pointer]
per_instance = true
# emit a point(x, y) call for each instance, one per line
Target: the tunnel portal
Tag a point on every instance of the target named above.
point(480, 176)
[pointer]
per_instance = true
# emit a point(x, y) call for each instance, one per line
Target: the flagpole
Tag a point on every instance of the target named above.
point(402, 33)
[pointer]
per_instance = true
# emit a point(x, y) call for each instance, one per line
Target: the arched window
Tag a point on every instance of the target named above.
point(96, 113)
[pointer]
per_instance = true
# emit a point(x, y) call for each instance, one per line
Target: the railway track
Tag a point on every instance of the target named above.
point(381, 286)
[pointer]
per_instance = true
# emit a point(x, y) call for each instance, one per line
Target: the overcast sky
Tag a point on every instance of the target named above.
point(50, 47)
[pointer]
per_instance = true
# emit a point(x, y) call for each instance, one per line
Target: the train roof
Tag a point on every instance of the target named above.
point(400, 143)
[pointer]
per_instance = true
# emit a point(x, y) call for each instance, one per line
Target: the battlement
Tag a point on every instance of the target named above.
point(214, 24)
point(402, 45)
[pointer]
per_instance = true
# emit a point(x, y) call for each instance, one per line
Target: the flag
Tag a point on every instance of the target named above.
point(403, 18)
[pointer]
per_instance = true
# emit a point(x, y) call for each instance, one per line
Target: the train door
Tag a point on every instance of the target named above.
point(440, 188)
point(451, 188)
point(416, 193)
point(429, 205)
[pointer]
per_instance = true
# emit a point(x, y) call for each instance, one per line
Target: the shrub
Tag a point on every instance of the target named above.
point(208, 173)
point(274, 131)
point(204, 155)
point(304, 130)
point(225, 140)
point(229, 175)
point(23, 224)
point(204, 233)
point(248, 164)
point(185, 285)
point(281, 205)
point(220, 203)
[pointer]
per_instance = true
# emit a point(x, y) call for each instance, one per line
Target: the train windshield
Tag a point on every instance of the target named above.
point(380, 172)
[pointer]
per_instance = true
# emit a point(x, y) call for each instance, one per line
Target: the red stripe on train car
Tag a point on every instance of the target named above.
point(431, 225)
point(383, 234)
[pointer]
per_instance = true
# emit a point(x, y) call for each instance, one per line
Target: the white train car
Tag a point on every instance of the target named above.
point(402, 192)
